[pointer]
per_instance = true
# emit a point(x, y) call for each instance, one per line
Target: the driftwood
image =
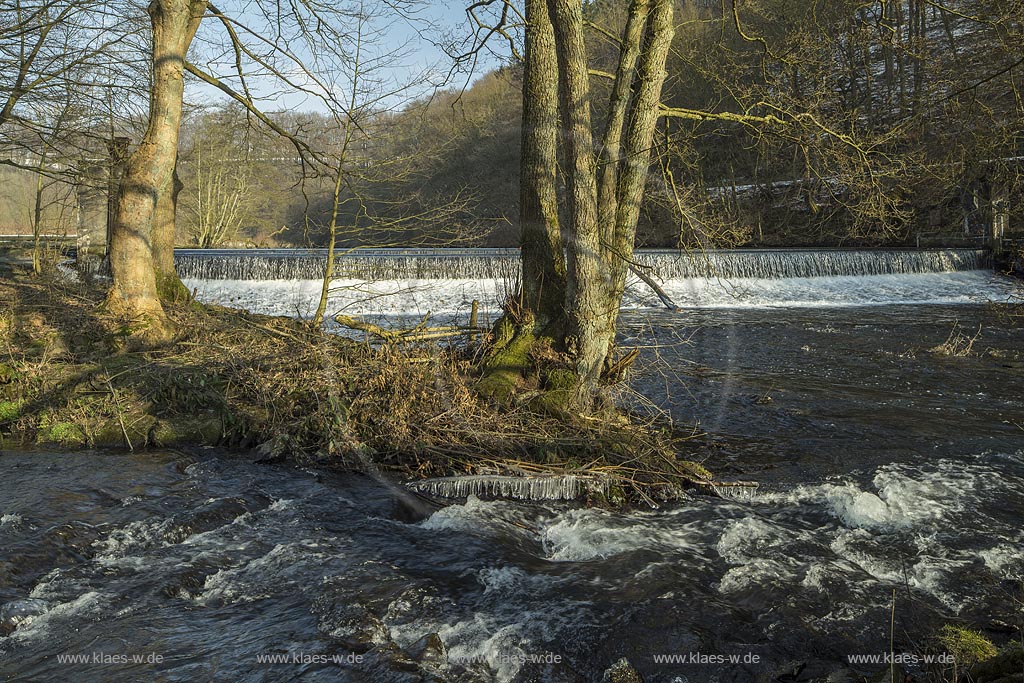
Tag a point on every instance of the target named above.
point(619, 367)
point(419, 333)
point(649, 281)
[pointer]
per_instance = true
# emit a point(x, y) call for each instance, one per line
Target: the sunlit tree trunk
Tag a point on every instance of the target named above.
point(149, 171)
point(543, 261)
point(587, 277)
point(168, 284)
point(611, 146)
point(640, 132)
point(602, 204)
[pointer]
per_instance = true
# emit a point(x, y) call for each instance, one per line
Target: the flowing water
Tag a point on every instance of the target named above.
point(891, 499)
point(456, 264)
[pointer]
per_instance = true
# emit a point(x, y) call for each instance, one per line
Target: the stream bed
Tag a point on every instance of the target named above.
point(891, 499)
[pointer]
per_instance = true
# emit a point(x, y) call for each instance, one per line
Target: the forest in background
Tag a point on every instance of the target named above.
point(787, 123)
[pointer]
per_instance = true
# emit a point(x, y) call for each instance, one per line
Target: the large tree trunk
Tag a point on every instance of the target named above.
point(541, 308)
point(168, 284)
point(599, 224)
point(587, 281)
point(149, 170)
point(543, 260)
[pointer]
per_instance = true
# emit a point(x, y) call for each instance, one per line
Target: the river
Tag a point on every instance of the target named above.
point(892, 489)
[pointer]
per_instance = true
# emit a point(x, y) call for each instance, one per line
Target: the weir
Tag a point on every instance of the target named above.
point(475, 264)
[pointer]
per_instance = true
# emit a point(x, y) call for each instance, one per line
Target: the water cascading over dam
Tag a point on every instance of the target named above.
point(457, 264)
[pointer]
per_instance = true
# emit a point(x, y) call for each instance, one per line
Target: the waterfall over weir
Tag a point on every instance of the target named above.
point(474, 264)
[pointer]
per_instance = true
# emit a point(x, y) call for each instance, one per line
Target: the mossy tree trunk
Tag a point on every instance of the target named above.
point(538, 312)
point(603, 187)
point(587, 276)
point(149, 171)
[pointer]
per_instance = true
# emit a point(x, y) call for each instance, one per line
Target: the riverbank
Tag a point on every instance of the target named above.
point(70, 376)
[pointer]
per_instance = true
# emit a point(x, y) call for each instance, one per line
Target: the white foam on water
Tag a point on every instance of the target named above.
point(453, 298)
point(759, 552)
point(131, 538)
point(581, 535)
point(262, 576)
point(896, 530)
point(90, 603)
point(513, 580)
point(10, 519)
point(1005, 560)
point(576, 535)
point(353, 297)
point(483, 638)
point(584, 535)
point(282, 504)
point(969, 287)
point(748, 538)
point(900, 499)
point(474, 516)
point(499, 637)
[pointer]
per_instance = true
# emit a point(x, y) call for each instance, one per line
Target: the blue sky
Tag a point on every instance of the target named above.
point(420, 40)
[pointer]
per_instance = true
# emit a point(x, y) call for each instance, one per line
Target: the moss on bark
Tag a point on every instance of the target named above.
point(506, 369)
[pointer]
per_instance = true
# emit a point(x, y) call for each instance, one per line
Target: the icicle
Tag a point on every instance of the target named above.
point(739, 491)
point(547, 487)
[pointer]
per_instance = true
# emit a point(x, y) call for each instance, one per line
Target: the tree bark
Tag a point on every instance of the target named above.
point(117, 155)
point(543, 260)
point(149, 171)
point(639, 141)
point(600, 216)
point(611, 147)
point(587, 281)
point(168, 284)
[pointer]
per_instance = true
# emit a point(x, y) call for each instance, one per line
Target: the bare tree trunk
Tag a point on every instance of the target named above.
point(117, 158)
point(149, 170)
point(600, 221)
point(587, 281)
point(332, 239)
point(543, 260)
point(37, 218)
point(639, 141)
point(611, 147)
point(168, 284)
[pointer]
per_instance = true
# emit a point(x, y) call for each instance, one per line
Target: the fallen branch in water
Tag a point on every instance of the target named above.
point(418, 333)
point(649, 281)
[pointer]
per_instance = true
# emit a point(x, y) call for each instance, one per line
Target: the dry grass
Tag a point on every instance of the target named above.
point(957, 344)
point(236, 379)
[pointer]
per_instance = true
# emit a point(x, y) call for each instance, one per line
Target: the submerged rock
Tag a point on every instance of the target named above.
point(622, 672)
point(17, 612)
point(1006, 667)
point(429, 651)
point(352, 625)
